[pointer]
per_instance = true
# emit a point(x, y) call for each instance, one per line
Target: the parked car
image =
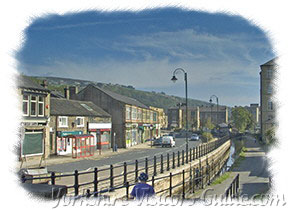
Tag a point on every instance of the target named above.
point(157, 142)
point(168, 141)
point(194, 137)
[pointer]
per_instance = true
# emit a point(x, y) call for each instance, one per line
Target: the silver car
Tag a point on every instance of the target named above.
point(194, 137)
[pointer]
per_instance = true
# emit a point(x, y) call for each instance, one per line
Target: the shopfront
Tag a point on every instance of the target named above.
point(102, 135)
point(33, 142)
point(64, 141)
point(82, 145)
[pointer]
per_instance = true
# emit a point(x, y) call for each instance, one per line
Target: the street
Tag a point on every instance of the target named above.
point(128, 157)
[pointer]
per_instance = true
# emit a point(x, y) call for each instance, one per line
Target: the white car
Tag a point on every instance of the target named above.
point(194, 137)
point(168, 141)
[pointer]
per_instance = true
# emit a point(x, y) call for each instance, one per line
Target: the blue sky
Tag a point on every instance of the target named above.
point(220, 53)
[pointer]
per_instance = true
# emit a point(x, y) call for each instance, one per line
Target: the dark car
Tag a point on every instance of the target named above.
point(157, 141)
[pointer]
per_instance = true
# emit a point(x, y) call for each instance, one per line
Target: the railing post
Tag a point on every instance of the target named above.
point(183, 157)
point(53, 178)
point(155, 166)
point(190, 154)
point(170, 185)
point(136, 170)
point(193, 180)
point(153, 181)
point(193, 153)
point(187, 154)
point(76, 183)
point(161, 164)
point(146, 166)
point(190, 177)
point(23, 178)
point(95, 182)
point(124, 172)
point(178, 164)
point(127, 190)
point(173, 160)
point(202, 178)
point(196, 152)
point(168, 162)
point(183, 184)
point(111, 177)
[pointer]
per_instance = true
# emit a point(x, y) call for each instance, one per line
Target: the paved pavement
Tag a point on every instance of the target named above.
point(253, 171)
point(67, 164)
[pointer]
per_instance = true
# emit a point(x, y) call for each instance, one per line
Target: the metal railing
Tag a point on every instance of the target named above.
point(233, 190)
point(117, 176)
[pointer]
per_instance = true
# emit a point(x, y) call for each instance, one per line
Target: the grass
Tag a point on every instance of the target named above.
point(240, 158)
point(221, 179)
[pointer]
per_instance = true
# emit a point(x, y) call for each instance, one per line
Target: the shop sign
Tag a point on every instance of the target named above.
point(66, 133)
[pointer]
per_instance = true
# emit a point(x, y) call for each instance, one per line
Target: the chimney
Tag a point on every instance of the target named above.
point(44, 84)
point(73, 90)
point(66, 93)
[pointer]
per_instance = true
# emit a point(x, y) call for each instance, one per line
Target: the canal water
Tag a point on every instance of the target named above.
point(230, 160)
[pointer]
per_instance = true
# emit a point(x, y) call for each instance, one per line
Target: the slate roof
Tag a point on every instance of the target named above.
point(121, 98)
point(56, 94)
point(65, 107)
point(270, 63)
point(27, 83)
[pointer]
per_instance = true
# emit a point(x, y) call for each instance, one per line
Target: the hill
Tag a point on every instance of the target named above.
point(148, 98)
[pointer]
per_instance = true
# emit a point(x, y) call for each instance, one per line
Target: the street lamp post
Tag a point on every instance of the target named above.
point(217, 107)
point(174, 79)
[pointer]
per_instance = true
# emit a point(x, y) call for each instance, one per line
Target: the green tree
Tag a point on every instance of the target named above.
point(208, 124)
point(206, 136)
point(242, 119)
point(270, 136)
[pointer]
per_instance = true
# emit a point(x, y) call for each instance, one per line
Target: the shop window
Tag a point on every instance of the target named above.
point(80, 121)
point(32, 143)
point(25, 105)
point(63, 121)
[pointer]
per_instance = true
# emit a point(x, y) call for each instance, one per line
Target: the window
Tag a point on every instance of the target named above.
point(134, 114)
point(139, 114)
point(269, 89)
point(154, 116)
point(80, 121)
point(269, 73)
point(63, 121)
point(128, 113)
point(32, 143)
point(25, 105)
point(270, 105)
point(33, 103)
point(41, 106)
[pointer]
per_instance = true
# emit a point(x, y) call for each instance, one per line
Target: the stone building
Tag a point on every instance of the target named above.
point(197, 116)
point(132, 121)
point(34, 129)
point(267, 73)
point(162, 117)
point(70, 119)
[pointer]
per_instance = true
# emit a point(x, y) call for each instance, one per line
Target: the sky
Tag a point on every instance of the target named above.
point(221, 53)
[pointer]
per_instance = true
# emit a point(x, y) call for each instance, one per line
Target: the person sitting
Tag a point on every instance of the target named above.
point(142, 189)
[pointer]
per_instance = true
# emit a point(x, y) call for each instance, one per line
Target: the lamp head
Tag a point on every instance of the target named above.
point(174, 79)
